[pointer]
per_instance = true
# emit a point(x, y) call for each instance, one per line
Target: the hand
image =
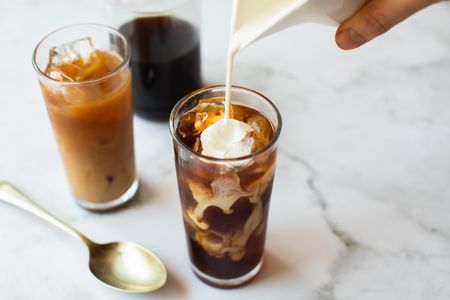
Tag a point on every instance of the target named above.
point(375, 18)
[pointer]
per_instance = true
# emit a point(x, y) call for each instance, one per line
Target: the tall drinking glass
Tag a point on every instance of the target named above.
point(84, 75)
point(225, 202)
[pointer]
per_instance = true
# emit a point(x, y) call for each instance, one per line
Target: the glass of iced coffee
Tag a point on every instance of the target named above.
point(225, 201)
point(84, 74)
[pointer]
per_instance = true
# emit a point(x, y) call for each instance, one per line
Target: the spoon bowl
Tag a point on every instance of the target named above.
point(125, 266)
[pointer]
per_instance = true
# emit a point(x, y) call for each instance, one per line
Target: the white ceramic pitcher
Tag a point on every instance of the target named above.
point(255, 19)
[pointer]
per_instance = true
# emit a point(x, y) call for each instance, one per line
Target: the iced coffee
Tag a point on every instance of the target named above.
point(225, 201)
point(86, 84)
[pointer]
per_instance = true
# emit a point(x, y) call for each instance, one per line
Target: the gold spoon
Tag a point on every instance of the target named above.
point(121, 265)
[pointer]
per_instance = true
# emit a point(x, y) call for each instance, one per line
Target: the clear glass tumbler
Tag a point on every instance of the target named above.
point(225, 202)
point(165, 51)
point(91, 112)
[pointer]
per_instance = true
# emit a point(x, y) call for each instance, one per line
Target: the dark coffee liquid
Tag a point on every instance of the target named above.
point(165, 63)
point(225, 267)
point(232, 243)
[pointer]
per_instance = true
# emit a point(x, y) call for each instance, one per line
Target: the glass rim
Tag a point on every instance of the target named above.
point(186, 98)
point(120, 66)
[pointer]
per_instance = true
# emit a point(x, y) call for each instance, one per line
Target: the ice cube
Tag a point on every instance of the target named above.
point(227, 138)
point(223, 193)
point(208, 112)
point(187, 132)
point(94, 66)
point(262, 131)
point(228, 187)
point(197, 145)
point(71, 52)
point(59, 75)
point(66, 95)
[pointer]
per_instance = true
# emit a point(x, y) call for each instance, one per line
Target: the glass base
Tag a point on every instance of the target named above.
point(102, 206)
point(227, 283)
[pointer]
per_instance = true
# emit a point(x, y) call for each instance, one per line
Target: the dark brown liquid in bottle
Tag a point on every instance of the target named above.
point(165, 63)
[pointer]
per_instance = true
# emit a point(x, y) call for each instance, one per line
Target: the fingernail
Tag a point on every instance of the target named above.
point(349, 39)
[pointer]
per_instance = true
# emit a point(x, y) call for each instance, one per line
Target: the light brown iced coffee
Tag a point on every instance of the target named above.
point(88, 98)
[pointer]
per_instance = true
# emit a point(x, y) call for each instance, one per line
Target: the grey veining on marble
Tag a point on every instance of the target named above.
point(361, 203)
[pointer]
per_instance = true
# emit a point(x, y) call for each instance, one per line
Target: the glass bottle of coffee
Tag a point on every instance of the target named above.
point(165, 51)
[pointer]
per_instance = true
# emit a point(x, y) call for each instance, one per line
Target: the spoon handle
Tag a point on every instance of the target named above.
point(12, 195)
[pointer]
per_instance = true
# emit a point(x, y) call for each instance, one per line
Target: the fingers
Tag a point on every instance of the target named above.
point(375, 18)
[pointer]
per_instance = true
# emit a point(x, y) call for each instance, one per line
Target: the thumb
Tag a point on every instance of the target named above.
point(375, 18)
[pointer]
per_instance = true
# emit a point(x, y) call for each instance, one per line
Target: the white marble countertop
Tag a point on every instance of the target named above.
point(361, 202)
